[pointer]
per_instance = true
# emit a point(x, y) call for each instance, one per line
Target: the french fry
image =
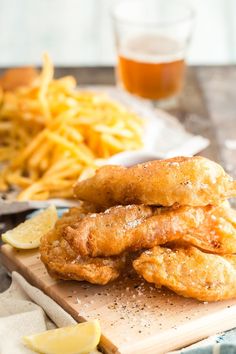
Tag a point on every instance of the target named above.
point(33, 189)
point(38, 156)
point(46, 78)
point(51, 134)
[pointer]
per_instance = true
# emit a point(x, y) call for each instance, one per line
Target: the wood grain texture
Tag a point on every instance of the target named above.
point(135, 316)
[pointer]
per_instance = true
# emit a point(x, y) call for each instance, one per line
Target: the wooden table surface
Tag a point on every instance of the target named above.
point(207, 106)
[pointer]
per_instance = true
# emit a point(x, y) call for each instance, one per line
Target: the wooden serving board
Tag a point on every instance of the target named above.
point(135, 316)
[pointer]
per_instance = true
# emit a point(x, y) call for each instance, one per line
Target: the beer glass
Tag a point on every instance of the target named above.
point(151, 40)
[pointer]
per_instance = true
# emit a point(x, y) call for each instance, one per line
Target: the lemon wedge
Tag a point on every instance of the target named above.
point(78, 339)
point(27, 235)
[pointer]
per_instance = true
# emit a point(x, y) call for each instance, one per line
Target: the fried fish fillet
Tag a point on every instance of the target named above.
point(17, 77)
point(193, 181)
point(135, 227)
point(63, 262)
point(190, 272)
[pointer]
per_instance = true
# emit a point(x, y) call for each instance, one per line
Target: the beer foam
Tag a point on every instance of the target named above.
point(151, 48)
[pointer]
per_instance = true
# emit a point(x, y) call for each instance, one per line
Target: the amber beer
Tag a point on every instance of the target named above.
point(151, 67)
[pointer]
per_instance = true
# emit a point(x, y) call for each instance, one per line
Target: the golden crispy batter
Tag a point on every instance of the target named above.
point(190, 272)
point(177, 212)
point(135, 227)
point(16, 77)
point(63, 262)
point(194, 181)
point(108, 233)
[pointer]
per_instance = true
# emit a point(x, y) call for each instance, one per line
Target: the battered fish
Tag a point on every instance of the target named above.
point(135, 227)
point(63, 262)
point(18, 77)
point(190, 272)
point(193, 181)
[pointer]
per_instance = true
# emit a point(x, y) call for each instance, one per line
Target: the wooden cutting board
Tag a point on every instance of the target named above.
point(135, 316)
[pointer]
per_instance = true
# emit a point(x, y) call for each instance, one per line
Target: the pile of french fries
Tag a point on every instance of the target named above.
point(51, 134)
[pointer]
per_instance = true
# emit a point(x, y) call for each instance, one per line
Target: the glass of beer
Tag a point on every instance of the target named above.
point(151, 40)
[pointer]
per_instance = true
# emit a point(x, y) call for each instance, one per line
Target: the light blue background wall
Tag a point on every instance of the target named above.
point(78, 32)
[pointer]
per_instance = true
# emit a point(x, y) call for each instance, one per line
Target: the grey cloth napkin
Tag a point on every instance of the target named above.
point(26, 310)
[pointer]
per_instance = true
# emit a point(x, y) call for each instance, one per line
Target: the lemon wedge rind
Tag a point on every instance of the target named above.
point(27, 235)
point(78, 339)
